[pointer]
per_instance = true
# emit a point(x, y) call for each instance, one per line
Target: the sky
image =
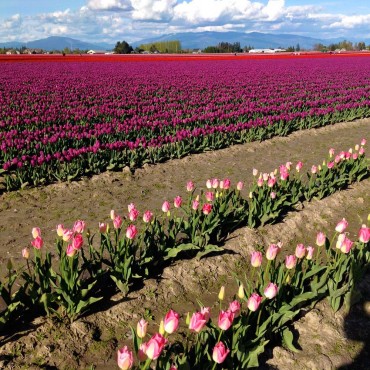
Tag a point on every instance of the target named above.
point(133, 20)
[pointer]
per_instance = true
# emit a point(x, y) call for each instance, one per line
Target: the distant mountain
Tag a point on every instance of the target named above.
point(57, 43)
point(258, 40)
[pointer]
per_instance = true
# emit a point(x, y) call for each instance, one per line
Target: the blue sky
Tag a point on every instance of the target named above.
point(133, 20)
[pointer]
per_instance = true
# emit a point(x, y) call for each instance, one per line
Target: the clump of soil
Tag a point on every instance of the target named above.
point(328, 340)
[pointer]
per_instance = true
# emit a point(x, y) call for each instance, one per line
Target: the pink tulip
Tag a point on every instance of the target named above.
point(310, 251)
point(125, 359)
point(117, 222)
point(272, 252)
point(288, 165)
point(364, 234)
point(271, 182)
point(77, 242)
point(255, 172)
point(290, 261)
point(207, 208)
point(227, 184)
point(155, 345)
point(260, 182)
point(340, 240)
point(190, 186)
point(173, 367)
point(206, 311)
point(103, 227)
point(256, 259)
point(354, 156)
point(300, 251)
point(171, 321)
point(141, 328)
point(331, 152)
point(67, 235)
point(210, 196)
point(131, 231)
point(37, 242)
point(36, 232)
point(70, 251)
point(253, 302)
point(240, 185)
point(133, 214)
point(330, 165)
point(320, 239)
point(197, 322)
point(346, 246)
point(209, 184)
point(225, 319)
point(79, 227)
point(363, 142)
point(26, 253)
point(220, 353)
point(215, 183)
point(234, 307)
point(221, 184)
point(60, 230)
point(112, 214)
point(271, 291)
point(361, 151)
point(265, 176)
point(177, 202)
point(298, 166)
point(273, 195)
point(341, 226)
point(147, 216)
point(166, 206)
point(314, 169)
point(141, 352)
point(195, 205)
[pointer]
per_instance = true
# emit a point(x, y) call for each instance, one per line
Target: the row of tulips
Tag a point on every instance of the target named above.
point(134, 246)
point(262, 310)
point(62, 129)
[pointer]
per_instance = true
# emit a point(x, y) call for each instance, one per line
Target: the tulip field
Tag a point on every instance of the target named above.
point(203, 262)
point(61, 121)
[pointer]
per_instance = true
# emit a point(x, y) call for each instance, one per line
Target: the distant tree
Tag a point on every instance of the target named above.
point(122, 48)
point(290, 49)
point(138, 49)
point(298, 47)
point(153, 49)
point(361, 46)
point(247, 48)
point(319, 47)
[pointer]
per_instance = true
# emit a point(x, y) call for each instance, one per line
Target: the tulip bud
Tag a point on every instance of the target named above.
point(241, 292)
point(26, 253)
point(187, 320)
point(221, 294)
point(161, 328)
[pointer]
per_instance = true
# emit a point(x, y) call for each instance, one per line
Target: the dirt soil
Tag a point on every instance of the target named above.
point(328, 340)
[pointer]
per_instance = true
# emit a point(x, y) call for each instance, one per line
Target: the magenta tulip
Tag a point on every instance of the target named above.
point(155, 345)
point(207, 208)
point(147, 216)
point(177, 202)
point(117, 222)
point(225, 319)
point(341, 226)
point(77, 242)
point(37, 243)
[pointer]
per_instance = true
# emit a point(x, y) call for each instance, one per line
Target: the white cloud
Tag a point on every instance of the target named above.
point(112, 5)
point(12, 22)
point(156, 10)
point(351, 21)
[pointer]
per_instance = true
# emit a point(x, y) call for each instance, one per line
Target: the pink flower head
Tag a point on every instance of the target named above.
point(271, 182)
point(37, 242)
point(36, 232)
point(239, 185)
point(361, 151)
point(272, 252)
point(346, 245)
point(141, 328)
point(271, 291)
point(363, 142)
point(131, 231)
point(133, 214)
point(210, 196)
point(77, 242)
point(195, 205)
point(331, 152)
point(67, 235)
point(273, 195)
point(215, 183)
point(130, 207)
point(26, 253)
point(70, 251)
point(314, 169)
point(337, 159)
point(340, 240)
point(260, 182)
point(364, 234)
point(60, 230)
point(255, 172)
point(166, 206)
point(147, 216)
point(220, 353)
point(341, 225)
point(209, 184)
point(125, 358)
point(300, 251)
point(227, 184)
point(330, 165)
point(354, 156)
point(207, 208)
point(117, 222)
point(288, 165)
point(190, 186)
point(197, 322)
point(299, 166)
point(103, 227)
point(265, 176)
point(177, 202)
point(173, 367)
point(155, 345)
point(234, 307)
point(253, 302)
point(256, 259)
point(225, 319)
point(310, 251)
point(171, 321)
point(290, 261)
point(79, 226)
point(206, 311)
point(320, 239)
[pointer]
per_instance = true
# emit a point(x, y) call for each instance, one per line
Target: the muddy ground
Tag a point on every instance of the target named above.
point(328, 341)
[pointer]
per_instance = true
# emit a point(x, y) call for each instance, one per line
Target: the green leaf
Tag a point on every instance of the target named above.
point(210, 248)
point(173, 252)
point(288, 340)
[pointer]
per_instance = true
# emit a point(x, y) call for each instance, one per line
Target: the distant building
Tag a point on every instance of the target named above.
point(99, 52)
point(266, 51)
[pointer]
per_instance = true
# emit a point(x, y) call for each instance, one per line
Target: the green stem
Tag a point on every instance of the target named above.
point(147, 364)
